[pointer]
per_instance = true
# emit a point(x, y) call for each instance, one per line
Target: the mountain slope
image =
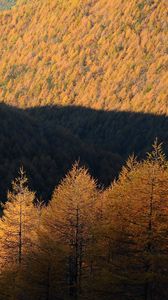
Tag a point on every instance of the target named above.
point(59, 57)
point(47, 150)
point(48, 140)
point(97, 53)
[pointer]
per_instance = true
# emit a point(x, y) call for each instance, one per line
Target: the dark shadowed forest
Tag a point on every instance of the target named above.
point(46, 141)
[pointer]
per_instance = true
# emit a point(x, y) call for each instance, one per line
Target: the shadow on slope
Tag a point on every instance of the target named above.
point(115, 131)
point(48, 140)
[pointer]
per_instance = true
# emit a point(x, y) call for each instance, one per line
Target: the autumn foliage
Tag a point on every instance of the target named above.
point(99, 53)
point(88, 243)
point(88, 82)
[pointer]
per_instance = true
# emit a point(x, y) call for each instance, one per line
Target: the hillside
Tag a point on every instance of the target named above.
point(98, 53)
point(88, 80)
point(47, 150)
point(83, 149)
point(48, 140)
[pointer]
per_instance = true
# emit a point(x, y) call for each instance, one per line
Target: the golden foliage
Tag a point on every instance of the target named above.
point(102, 53)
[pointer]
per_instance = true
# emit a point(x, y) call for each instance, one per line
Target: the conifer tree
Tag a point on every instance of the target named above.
point(141, 224)
point(45, 264)
point(16, 230)
point(69, 219)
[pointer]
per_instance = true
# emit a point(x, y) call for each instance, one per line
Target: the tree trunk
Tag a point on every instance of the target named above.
point(148, 285)
point(20, 234)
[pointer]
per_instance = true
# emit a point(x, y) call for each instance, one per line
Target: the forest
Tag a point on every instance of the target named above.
point(88, 243)
point(83, 150)
point(48, 140)
point(80, 80)
point(103, 54)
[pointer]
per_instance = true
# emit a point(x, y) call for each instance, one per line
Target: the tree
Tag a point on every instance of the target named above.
point(140, 203)
point(69, 221)
point(17, 227)
point(44, 264)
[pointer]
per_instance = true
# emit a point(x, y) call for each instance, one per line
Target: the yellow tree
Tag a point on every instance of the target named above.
point(16, 230)
point(69, 220)
point(45, 264)
point(138, 203)
point(114, 239)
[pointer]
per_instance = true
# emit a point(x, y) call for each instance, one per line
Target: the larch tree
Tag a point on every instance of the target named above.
point(115, 241)
point(45, 261)
point(17, 228)
point(142, 221)
point(69, 220)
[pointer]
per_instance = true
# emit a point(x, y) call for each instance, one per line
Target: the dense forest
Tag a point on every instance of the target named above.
point(98, 53)
point(83, 193)
point(90, 79)
point(47, 141)
point(88, 243)
point(36, 140)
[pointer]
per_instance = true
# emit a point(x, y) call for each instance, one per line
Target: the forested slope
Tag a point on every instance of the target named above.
point(47, 150)
point(97, 53)
point(80, 71)
point(83, 86)
point(48, 140)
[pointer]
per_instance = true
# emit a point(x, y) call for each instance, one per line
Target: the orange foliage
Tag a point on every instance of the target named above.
point(100, 53)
